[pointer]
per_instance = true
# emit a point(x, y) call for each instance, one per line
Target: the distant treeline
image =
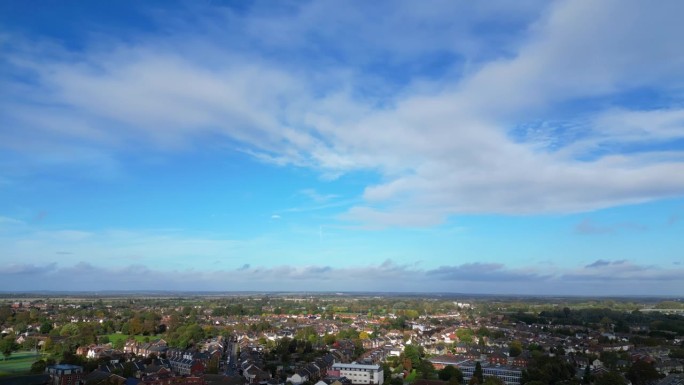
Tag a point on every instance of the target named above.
point(659, 324)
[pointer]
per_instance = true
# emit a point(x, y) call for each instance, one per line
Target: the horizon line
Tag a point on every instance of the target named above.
point(96, 293)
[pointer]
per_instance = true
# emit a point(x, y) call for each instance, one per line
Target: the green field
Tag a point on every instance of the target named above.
point(17, 363)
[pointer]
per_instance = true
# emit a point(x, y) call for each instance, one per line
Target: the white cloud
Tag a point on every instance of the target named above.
point(376, 219)
point(630, 126)
point(441, 146)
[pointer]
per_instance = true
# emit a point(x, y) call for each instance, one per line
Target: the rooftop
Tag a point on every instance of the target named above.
point(65, 367)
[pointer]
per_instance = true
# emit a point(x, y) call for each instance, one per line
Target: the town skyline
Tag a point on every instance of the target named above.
point(527, 148)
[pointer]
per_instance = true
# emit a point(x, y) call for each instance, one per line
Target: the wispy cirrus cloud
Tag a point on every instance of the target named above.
point(28, 269)
point(673, 219)
point(7, 222)
point(622, 270)
point(598, 263)
point(439, 136)
point(316, 196)
point(150, 247)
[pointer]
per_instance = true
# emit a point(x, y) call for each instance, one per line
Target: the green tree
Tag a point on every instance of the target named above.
point(450, 372)
point(548, 370)
point(478, 373)
point(610, 378)
point(86, 334)
point(609, 359)
point(515, 348)
point(7, 346)
point(413, 353)
point(411, 314)
point(45, 327)
point(68, 330)
point(38, 366)
point(606, 323)
point(329, 339)
point(566, 312)
point(119, 344)
point(426, 370)
point(586, 378)
point(48, 345)
point(465, 335)
point(358, 347)
point(642, 373)
point(386, 372)
point(29, 343)
point(129, 369)
point(5, 314)
point(483, 331)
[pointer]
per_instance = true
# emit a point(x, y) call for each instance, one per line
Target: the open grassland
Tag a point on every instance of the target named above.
point(17, 363)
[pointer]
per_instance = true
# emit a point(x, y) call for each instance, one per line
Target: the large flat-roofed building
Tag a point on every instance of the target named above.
point(440, 362)
point(359, 373)
point(510, 375)
point(65, 374)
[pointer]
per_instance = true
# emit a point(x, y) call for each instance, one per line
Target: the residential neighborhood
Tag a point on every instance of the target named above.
point(346, 340)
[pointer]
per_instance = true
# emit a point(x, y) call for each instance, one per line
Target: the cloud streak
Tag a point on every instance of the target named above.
point(589, 227)
point(387, 276)
point(485, 272)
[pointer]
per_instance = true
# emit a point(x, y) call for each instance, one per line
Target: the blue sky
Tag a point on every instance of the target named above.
point(443, 146)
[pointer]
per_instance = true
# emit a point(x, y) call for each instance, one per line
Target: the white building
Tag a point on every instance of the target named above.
point(509, 375)
point(359, 374)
